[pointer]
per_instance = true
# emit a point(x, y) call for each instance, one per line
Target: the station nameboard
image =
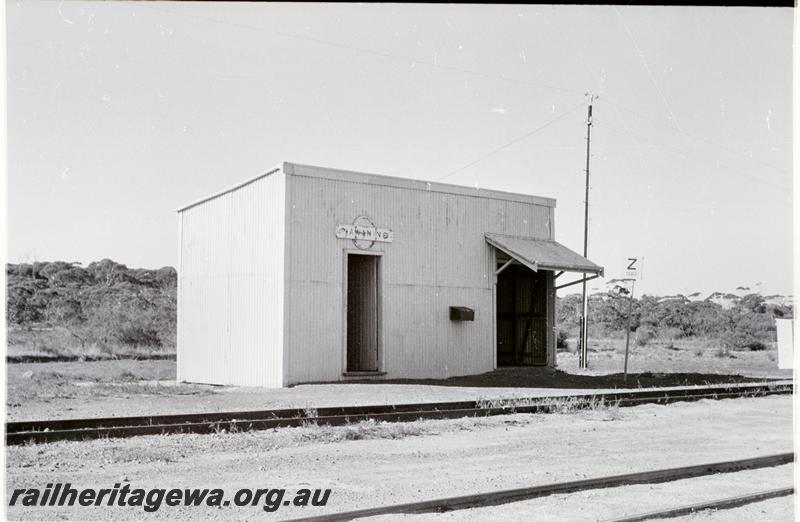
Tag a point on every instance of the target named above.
point(364, 233)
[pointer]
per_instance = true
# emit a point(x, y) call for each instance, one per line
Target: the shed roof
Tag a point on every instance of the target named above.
point(310, 171)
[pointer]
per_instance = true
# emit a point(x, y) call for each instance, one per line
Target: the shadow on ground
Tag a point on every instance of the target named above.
point(531, 377)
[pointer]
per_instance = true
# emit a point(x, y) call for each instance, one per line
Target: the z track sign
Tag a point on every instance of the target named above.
point(633, 268)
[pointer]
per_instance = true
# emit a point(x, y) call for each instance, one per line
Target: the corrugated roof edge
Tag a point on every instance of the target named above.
point(379, 179)
point(413, 184)
point(231, 189)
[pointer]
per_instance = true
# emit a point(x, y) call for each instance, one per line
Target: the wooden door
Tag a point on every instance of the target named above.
point(362, 313)
point(521, 317)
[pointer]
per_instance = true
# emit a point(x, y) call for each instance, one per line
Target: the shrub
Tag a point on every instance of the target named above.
point(671, 333)
point(106, 306)
point(561, 340)
point(138, 336)
point(722, 351)
point(644, 334)
point(741, 339)
point(756, 346)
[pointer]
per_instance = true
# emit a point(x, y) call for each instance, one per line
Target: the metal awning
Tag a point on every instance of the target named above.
point(543, 254)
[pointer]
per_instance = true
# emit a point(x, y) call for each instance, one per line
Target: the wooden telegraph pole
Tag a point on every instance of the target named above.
point(584, 353)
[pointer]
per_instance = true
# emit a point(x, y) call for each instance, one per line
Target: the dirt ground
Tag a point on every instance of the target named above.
point(128, 387)
point(371, 464)
point(607, 356)
point(34, 344)
point(611, 503)
point(778, 509)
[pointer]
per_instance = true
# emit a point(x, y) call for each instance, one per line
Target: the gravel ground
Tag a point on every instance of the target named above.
point(773, 510)
point(613, 503)
point(37, 391)
point(607, 356)
point(371, 464)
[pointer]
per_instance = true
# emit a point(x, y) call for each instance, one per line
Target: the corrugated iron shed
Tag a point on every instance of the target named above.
point(264, 283)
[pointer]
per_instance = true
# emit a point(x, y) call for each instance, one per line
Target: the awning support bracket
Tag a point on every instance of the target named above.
point(576, 282)
point(505, 265)
point(558, 274)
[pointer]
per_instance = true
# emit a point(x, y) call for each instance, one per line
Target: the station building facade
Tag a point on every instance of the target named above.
point(309, 274)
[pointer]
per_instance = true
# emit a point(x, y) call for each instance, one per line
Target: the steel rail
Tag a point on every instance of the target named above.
point(626, 395)
point(495, 498)
point(79, 429)
point(725, 503)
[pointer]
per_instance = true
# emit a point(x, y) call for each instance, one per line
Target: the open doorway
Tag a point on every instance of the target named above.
point(362, 312)
point(521, 317)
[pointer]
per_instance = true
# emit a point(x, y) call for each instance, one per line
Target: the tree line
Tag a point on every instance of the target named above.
point(108, 304)
point(105, 304)
point(748, 323)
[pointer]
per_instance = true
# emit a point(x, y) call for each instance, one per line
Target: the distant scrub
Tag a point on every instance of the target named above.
point(104, 306)
point(107, 306)
point(748, 324)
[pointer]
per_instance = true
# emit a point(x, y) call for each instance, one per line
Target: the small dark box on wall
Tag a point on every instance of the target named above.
point(461, 313)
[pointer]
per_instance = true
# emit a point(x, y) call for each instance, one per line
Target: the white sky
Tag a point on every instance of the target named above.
point(118, 113)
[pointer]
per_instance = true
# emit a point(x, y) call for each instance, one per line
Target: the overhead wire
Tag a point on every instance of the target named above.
point(642, 159)
point(692, 137)
point(674, 119)
point(386, 55)
point(367, 51)
point(647, 69)
point(514, 141)
point(676, 151)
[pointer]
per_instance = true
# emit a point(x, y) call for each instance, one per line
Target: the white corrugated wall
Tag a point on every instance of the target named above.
point(438, 258)
point(231, 286)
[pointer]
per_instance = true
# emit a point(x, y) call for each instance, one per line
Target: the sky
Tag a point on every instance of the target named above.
point(119, 113)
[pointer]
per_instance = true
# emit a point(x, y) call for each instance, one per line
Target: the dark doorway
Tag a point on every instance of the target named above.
point(521, 317)
point(362, 313)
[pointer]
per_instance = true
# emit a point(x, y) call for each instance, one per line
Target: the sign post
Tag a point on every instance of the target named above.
point(633, 271)
point(628, 332)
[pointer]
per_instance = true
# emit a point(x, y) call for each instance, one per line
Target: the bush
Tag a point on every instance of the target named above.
point(670, 333)
point(138, 336)
point(756, 346)
point(741, 340)
point(644, 334)
point(105, 306)
point(748, 324)
point(561, 340)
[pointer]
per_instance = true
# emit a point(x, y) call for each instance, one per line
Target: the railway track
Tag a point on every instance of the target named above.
point(725, 503)
point(647, 477)
point(81, 429)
